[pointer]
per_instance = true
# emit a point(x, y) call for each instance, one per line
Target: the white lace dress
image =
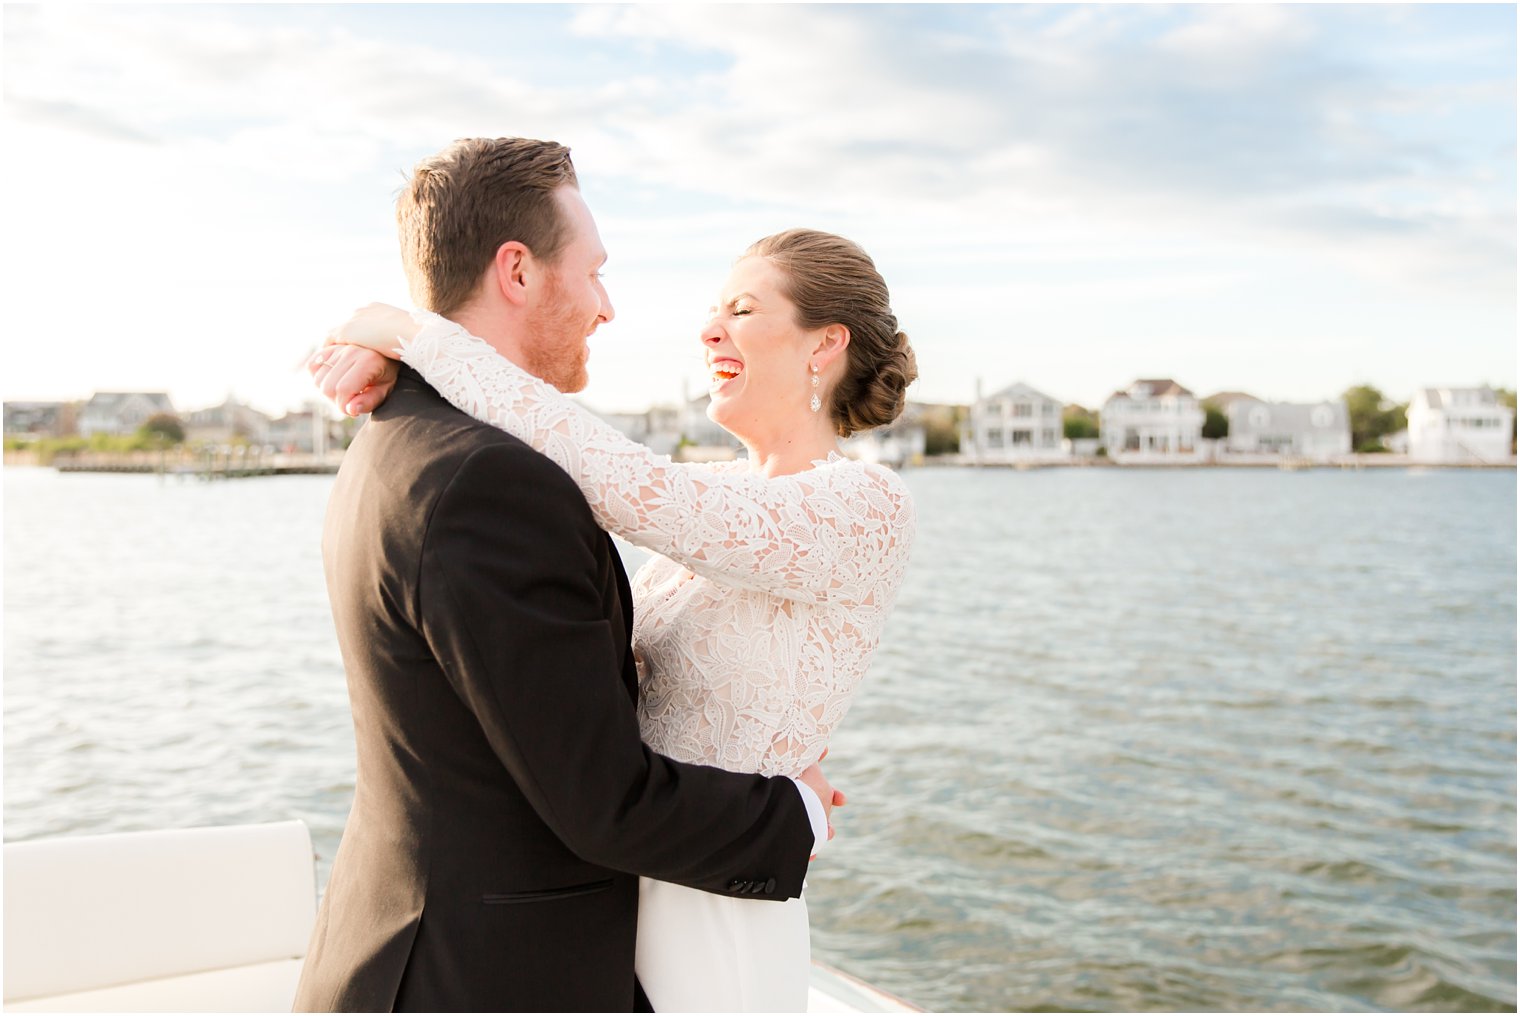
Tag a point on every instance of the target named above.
point(753, 625)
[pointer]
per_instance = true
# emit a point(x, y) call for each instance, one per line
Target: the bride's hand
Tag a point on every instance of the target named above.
point(376, 326)
point(356, 379)
point(354, 368)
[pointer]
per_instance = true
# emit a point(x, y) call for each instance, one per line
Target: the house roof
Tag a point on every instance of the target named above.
point(1287, 416)
point(1486, 395)
point(1019, 390)
point(1162, 386)
point(110, 402)
point(1152, 388)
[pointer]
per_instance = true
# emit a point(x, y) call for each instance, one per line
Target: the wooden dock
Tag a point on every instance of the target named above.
point(221, 464)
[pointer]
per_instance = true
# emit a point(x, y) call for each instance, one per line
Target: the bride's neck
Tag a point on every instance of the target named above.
point(791, 451)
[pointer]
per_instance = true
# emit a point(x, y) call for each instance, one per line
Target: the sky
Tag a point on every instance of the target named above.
point(1281, 200)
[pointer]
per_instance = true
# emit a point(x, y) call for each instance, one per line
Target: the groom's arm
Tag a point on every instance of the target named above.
point(511, 603)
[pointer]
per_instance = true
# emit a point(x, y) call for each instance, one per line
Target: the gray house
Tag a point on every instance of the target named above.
point(54, 419)
point(121, 412)
point(1318, 431)
point(231, 421)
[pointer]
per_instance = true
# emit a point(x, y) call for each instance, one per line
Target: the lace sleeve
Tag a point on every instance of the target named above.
point(829, 534)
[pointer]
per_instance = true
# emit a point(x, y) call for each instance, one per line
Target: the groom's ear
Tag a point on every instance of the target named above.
point(509, 271)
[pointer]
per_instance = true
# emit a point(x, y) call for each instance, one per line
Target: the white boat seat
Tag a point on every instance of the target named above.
point(194, 919)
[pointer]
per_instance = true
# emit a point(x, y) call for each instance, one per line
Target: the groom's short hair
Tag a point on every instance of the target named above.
point(465, 202)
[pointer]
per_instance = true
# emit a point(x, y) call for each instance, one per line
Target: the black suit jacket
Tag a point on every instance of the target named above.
point(504, 803)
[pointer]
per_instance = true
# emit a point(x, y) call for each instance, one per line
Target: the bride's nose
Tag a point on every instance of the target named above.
point(712, 333)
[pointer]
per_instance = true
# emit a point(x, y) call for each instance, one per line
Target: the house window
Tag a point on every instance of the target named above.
point(1022, 437)
point(1023, 409)
point(994, 438)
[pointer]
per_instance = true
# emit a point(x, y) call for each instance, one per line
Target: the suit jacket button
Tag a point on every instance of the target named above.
point(770, 886)
point(737, 886)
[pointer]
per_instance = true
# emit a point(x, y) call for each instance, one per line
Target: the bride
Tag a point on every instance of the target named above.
point(772, 576)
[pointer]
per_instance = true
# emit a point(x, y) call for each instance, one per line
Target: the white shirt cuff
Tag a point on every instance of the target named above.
point(816, 816)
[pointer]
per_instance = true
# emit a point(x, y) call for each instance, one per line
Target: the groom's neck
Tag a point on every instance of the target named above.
point(507, 336)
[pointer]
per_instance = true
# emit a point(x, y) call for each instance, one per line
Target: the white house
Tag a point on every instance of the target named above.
point(901, 442)
point(1318, 431)
point(121, 412)
point(1015, 424)
point(1459, 425)
point(1154, 420)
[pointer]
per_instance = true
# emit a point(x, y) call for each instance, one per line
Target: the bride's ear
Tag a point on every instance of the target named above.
point(509, 271)
point(831, 346)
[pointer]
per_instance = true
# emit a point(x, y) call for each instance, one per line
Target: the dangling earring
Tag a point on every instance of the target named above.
point(817, 403)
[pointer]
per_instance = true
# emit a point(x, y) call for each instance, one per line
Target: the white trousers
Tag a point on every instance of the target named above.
point(699, 952)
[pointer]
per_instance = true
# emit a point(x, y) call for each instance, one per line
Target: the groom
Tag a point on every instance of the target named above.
point(504, 805)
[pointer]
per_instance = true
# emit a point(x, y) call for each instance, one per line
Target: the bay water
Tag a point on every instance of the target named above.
point(1134, 740)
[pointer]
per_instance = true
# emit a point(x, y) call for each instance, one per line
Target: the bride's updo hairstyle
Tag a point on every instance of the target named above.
point(832, 281)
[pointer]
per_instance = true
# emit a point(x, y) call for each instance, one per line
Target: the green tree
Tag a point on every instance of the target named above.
point(164, 426)
point(942, 429)
point(1079, 423)
point(1373, 417)
point(1215, 424)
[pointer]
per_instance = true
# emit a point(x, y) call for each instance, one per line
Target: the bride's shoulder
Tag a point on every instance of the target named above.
point(729, 467)
point(871, 475)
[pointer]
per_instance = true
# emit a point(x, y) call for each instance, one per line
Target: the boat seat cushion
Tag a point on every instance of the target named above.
point(199, 918)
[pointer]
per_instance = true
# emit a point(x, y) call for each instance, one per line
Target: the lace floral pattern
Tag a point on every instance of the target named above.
point(756, 619)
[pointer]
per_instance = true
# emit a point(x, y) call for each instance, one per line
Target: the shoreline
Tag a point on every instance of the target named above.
point(308, 465)
point(1382, 461)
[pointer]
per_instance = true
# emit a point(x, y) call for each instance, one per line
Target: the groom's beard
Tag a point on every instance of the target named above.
point(556, 349)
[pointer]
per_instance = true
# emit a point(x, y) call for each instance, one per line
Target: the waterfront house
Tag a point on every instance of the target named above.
point(700, 437)
point(1459, 425)
point(657, 427)
point(229, 423)
point(121, 413)
point(681, 431)
point(1015, 424)
point(1318, 431)
point(901, 442)
point(1153, 420)
point(41, 419)
point(311, 431)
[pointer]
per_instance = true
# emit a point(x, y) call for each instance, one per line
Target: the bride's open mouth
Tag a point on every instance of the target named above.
point(724, 371)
